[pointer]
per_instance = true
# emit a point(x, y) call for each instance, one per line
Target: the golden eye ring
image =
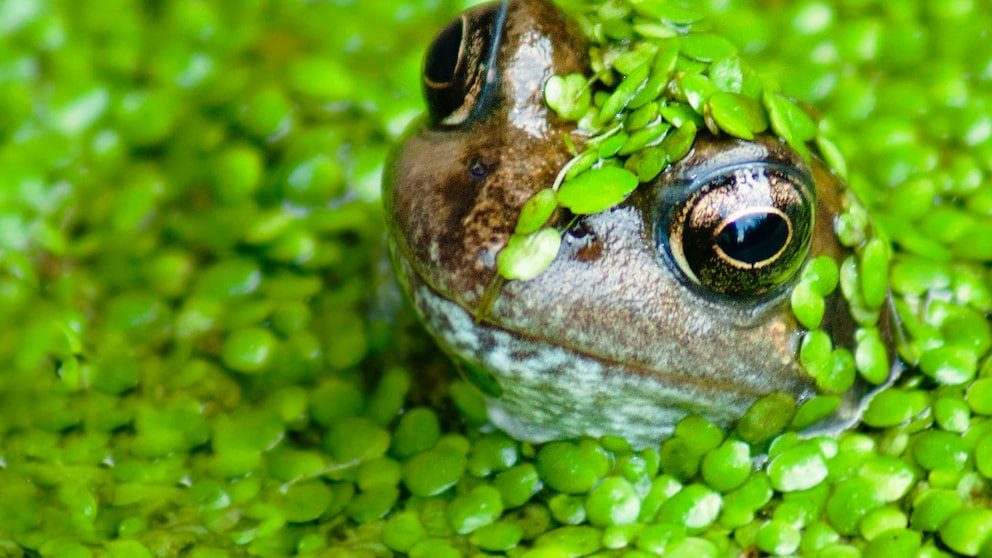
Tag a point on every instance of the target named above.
point(743, 229)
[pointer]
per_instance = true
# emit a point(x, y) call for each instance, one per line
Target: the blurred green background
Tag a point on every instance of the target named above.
point(204, 355)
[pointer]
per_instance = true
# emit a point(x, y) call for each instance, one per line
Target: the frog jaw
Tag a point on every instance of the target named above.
point(550, 392)
point(547, 391)
point(552, 385)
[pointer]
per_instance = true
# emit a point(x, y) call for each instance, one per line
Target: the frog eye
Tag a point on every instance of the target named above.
point(459, 74)
point(743, 229)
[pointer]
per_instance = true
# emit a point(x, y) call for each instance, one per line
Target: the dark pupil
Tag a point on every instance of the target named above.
point(442, 59)
point(754, 238)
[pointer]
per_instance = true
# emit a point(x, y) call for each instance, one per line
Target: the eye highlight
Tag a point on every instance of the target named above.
point(743, 229)
point(458, 76)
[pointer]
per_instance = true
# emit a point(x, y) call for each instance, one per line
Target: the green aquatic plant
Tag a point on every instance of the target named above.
point(658, 76)
point(202, 356)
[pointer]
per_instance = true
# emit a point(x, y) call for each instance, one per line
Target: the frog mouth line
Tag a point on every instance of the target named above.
point(610, 365)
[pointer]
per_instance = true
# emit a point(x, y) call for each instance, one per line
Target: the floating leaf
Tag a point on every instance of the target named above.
point(568, 95)
point(612, 144)
point(662, 67)
point(644, 137)
point(875, 272)
point(832, 155)
point(790, 122)
point(527, 256)
point(623, 93)
point(668, 10)
point(596, 190)
point(680, 113)
point(678, 144)
point(706, 47)
point(535, 213)
point(641, 117)
point(631, 60)
point(727, 75)
point(581, 163)
point(647, 163)
point(787, 119)
point(618, 29)
point(653, 30)
point(697, 89)
point(871, 355)
point(738, 115)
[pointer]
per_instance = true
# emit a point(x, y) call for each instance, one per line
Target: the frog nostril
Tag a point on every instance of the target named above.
point(478, 169)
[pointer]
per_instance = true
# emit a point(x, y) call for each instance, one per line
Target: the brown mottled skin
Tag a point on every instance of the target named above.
point(612, 312)
point(454, 224)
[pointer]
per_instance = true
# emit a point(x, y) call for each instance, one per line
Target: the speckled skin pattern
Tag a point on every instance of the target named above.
point(611, 339)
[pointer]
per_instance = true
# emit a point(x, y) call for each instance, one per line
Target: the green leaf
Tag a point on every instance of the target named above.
point(697, 89)
point(727, 75)
point(662, 67)
point(786, 115)
point(633, 59)
point(648, 163)
point(641, 117)
point(644, 137)
point(678, 144)
point(674, 11)
point(612, 145)
point(832, 155)
point(596, 190)
point(581, 163)
point(624, 93)
point(569, 96)
point(527, 256)
point(738, 115)
point(679, 114)
point(707, 47)
point(535, 213)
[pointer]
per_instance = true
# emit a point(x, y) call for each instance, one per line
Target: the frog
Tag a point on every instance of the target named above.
point(673, 303)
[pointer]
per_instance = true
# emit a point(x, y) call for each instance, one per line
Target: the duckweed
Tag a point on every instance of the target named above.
point(478, 508)
point(728, 466)
point(203, 357)
point(797, 468)
point(778, 538)
point(695, 507)
point(572, 468)
point(966, 531)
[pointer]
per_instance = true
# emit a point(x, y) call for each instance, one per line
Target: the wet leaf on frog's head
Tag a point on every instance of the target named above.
point(696, 89)
point(653, 82)
point(624, 93)
point(535, 213)
point(596, 190)
point(737, 115)
point(569, 96)
point(678, 144)
point(661, 72)
point(790, 122)
point(527, 256)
